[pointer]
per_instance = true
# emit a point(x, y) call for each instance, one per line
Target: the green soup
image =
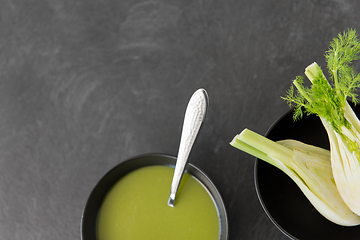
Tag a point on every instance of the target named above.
point(136, 208)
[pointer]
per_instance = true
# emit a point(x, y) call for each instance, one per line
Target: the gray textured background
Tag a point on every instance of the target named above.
point(86, 84)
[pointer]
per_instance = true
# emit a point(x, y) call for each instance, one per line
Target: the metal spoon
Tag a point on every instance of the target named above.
point(194, 116)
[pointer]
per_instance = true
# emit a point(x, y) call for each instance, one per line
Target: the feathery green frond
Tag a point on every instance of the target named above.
point(325, 98)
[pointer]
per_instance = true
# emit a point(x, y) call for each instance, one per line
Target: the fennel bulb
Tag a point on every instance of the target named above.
point(329, 102)
point(308, 166)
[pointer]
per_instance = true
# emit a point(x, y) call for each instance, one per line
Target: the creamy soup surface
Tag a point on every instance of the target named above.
point(136, 208)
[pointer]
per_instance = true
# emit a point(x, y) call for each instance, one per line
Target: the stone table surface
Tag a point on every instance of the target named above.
point(86, 84)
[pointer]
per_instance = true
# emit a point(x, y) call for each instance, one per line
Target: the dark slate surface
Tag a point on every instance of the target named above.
point(87, 84)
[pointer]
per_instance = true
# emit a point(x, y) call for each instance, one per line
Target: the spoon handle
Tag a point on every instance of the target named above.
point(194, 116)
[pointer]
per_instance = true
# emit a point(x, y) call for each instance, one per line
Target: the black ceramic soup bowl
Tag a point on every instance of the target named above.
point(88, 229)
